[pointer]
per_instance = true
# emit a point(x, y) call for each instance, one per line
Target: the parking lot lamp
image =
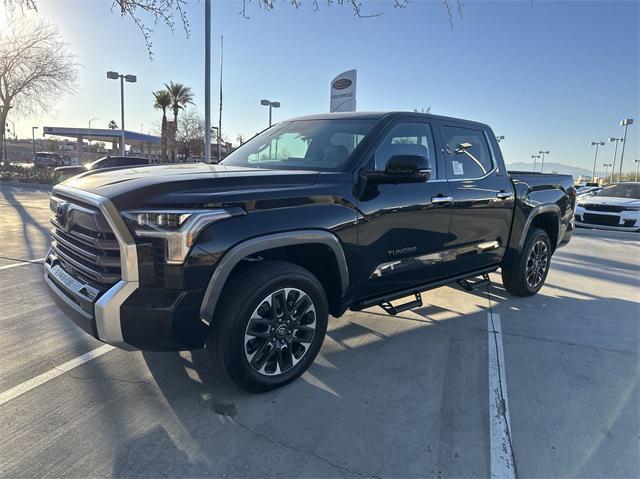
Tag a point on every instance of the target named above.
point(597, 144)
point(33, 138)
point(626, 122)
point(542, 164)
point(130, 79)
point(535, 157)
point(615, 153)
point(270, 104)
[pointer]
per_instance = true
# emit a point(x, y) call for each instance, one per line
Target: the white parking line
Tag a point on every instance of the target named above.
point(22, 263)
point(26, 386)
point(502, 461)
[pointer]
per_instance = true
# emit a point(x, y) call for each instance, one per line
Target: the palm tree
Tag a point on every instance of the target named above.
point(181, 96)
point(162, 101)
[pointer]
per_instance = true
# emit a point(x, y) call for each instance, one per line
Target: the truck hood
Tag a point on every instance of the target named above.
point(190, 185)
point(610, 200)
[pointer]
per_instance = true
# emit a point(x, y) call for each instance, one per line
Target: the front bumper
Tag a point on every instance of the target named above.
point(615, 221)
point(150, 319)
point(605, 227)
point(126, 314)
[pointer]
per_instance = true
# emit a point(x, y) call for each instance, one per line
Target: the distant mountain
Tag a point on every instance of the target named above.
point(550, 167)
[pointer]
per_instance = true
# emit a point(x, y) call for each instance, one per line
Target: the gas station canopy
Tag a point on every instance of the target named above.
point(97, 134)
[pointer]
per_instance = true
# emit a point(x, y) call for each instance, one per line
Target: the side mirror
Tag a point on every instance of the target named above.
point(408, 165)
point(403, 169)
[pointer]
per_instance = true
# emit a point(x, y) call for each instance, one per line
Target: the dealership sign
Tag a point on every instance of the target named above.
point(343, 92)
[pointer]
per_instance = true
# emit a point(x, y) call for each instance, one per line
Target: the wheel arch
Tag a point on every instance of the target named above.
point(277, 244)
point(545, 217)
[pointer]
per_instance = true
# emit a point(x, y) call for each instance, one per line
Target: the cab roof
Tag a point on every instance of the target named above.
point(379, 115)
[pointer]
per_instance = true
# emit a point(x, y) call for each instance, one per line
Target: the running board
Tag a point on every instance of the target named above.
point(392, 310)
point(473, 282)
point(387, 298)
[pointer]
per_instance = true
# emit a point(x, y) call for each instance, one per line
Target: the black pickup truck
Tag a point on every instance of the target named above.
point(310, 218)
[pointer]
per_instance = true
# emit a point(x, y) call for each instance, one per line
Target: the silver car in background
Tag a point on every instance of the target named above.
point(616, 207)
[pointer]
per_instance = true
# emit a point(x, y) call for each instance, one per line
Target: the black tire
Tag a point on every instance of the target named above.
point(525, 274)
point(252, 292)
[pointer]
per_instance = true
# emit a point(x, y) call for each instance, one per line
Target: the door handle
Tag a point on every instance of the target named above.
point(441, 200)
point(503, 195)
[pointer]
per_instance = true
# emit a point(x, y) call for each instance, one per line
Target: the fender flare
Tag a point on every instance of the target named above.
point(277, 240)
point(538, 210)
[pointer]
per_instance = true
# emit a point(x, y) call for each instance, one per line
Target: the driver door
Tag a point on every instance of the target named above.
point(405, 225)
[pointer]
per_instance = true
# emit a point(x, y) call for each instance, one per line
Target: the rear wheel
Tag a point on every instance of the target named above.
point(269, 325)
point(525, 274)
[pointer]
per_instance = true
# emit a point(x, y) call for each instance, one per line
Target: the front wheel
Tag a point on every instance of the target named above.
point(525, 274)
point(269, 325)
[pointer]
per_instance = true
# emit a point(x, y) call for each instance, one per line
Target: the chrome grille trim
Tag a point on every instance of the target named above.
point(107, 308)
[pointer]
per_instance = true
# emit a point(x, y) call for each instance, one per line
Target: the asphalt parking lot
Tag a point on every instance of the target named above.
point(409, 396)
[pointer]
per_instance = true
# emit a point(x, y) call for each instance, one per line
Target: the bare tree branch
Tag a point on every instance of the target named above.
point(36, 68)
point(147, 14)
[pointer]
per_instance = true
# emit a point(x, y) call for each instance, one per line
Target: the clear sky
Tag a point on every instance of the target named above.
point(547, 75)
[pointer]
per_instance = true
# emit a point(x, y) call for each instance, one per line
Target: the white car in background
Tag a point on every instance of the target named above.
point(616, 207)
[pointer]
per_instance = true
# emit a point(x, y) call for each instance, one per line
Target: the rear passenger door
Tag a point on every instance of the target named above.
point(483, 197)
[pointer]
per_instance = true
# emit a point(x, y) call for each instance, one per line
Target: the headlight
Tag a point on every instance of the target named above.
point(179, 228)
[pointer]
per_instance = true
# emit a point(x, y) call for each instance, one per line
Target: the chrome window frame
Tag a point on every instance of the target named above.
point(492, 156)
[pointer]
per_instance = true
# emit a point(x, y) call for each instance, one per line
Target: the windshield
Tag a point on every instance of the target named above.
point(622, 190)
point(302, 144)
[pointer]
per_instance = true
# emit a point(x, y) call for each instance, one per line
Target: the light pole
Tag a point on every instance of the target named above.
point(270, 104)
point(637, 162)
point(207, 81)
point(130, 79)
point(499, 138)
point(615, 153)
point(606, 170)
point(626, 122)
point(535, 157)
point(33, 138)
point(542, 165)
point(597, 144)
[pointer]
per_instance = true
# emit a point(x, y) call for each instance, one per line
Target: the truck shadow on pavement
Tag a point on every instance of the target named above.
point(404, 396)
point(383, 398)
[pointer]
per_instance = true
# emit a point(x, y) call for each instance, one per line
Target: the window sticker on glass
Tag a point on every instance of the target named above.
point(457, 168)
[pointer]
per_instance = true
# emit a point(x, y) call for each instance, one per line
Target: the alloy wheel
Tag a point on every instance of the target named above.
point(537, 263)
point(280, 331)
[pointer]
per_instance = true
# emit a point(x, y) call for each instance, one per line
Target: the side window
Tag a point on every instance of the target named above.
point(468, 154)
point(131, 162)
point(107, 163)
point(407, 139)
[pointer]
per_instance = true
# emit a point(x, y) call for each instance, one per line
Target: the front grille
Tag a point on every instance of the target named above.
point(84, 243)
point(607, 208)
point(601, 220)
